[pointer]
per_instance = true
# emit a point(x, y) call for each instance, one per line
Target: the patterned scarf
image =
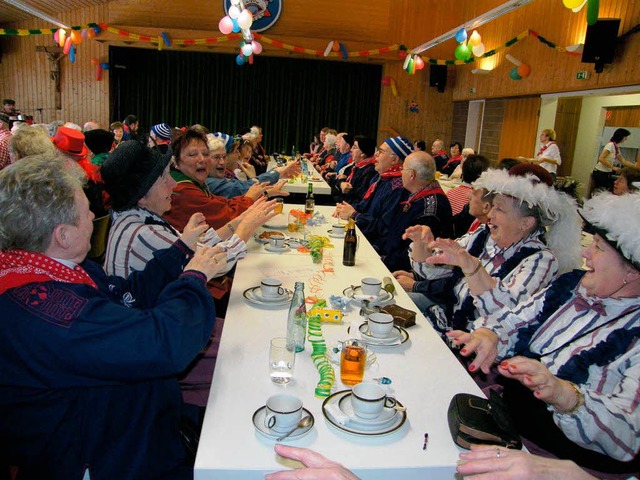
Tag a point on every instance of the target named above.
point(361, 164)
point(20, 267)
point(452, 160)
point(394, 171)
point(431, 189)
point(541, 151)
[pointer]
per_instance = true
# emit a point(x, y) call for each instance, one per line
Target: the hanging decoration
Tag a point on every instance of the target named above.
point(520, 70)
point(593, 8)
point(390, 82)
point(414, 107)
point(238, 19)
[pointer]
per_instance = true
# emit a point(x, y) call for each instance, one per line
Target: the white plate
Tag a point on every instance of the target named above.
point(258, 423)
point(358, 428)
point(270, 248)
point(335, 235)
point(356, 296)
point(393, 336)
point(384, 419)
point(256, 299)
point(401, 337)
point(334, 356)
point(279, 222)
point(256, 237)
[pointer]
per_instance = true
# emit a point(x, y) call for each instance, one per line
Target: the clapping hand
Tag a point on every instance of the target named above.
point(196, 226)
point(209, 261)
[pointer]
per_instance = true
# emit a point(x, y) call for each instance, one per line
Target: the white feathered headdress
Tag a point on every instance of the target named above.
point(558, 212)
point(617, 220)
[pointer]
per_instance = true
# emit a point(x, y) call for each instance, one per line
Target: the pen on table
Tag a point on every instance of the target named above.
point(426, 441)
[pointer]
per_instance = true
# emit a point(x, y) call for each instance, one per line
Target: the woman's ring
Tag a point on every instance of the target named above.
point(497, 453)
point(265, 212)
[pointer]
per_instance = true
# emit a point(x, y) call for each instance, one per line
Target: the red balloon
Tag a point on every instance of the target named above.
point(524, 70)
point(95, 61)
point(98, 73)
point(386, 81)
point(336, 46)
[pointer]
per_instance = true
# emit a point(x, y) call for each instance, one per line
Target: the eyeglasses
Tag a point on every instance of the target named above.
point(219, 157)
point(379, 151)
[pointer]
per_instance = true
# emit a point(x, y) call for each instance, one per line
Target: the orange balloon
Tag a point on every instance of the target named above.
point(336, 46)
point(91, 33)
point(76, 37)
point(524, 70)
point(95, 61)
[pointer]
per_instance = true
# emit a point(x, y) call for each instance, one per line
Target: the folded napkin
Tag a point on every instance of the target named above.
point(338, 415)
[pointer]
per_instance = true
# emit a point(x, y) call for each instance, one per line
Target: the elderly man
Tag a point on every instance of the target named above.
point(427, 204)
point(89, 361)
point(439, 154)
point(374, 214)
point(160, 136)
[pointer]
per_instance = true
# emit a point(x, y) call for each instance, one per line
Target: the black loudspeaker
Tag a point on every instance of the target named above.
point(438, 76)
point(600, 42)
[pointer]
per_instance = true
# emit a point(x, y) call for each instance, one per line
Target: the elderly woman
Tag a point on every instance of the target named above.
point(140, 186)
point(30, 141)
point(455, 157)
point(192, 162)
point(330, 151)
point(572, 351)
point(457, 173)
point(352, 188)
point(501, 263)
point(628, 181)
point(89, 361)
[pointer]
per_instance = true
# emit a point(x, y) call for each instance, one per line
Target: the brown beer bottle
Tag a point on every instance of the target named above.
point(350, 245)
point(309, 203)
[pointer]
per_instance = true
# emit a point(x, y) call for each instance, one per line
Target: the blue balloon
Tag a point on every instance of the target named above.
point(514, 74)
point(240, 60)
point(72, 54)
point(236, 27)
point(96, 29)
point(461, 36)
point(104, 66)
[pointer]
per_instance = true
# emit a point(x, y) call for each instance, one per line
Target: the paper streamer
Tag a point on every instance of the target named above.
point(324, 367)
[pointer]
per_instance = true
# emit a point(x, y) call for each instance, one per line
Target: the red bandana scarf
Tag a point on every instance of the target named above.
point(361, 164)
point(19, 267)
point(431, 189)
point(452, 160)
point(541, 151)
point(394, 171)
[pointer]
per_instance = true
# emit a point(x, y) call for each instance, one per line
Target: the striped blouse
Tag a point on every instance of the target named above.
point(609, 421)
point(532, 274)
point(137, 234)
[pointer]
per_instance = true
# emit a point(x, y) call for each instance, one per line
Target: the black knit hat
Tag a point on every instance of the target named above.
point(367, 145)
point(98, 140)
point(130, 171)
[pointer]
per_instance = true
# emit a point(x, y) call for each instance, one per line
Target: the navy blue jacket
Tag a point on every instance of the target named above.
point(88, 376)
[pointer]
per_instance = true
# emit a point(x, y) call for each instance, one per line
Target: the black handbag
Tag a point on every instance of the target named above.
point(476, 420)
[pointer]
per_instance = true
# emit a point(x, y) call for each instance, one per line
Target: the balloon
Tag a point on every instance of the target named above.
point(91, 33)
point(402, 54)
point(104, 66)
point(98, 73)
point(327, 50)
point(246, 49)
point(225, 25)
point(72, 54)
point(411, 68)
point(475, 39)
point(461, 36)
point(418, 62)
point(76, 37)
point(246, 34)
point(67, 46)
point(245, 19)
point(236, 27)
point(240, 60)
point(593, 7)
point(235, 2)
point(251, 60)
point(257, 47)
point(524, 70)
point(571, 3)
point(343, 49)
point(95, 61)
point(386, 81)
point(336, 46)
point(56, 36)
point(579, 7)
point(62, 37)
point(407, 59)
point(84, 33)
point(514, 74)
point(463, 52)
point(478, 50)
point(97, 29)
point(234, 12)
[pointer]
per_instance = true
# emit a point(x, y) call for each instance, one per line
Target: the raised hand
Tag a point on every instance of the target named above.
point(209, 261)
point(194, 228)
point(483, 342)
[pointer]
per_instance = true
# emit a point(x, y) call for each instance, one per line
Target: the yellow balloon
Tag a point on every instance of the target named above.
point(475, 39)
point(572, 3)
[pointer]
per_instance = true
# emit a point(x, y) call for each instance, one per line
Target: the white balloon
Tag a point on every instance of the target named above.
point(478, 50)
point(234, 12)
point(235, 2)
point(247, 49)
point(245, 19)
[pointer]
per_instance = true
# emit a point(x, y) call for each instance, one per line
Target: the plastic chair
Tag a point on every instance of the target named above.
point(99, 239)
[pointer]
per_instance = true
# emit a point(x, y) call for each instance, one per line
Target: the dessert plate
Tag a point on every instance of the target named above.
point(254, 296)
point(400, 337)
point(356, 296)
point(258, 423)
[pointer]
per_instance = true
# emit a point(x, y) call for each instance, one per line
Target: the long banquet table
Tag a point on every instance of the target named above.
point(296, 185)
point(425, 375)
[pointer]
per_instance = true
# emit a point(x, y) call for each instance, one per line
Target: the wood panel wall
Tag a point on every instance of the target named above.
point(566, 127)
point(492, 129)
point(623, 117)
point(520, 123)
point(357, 24)
point(459, 124)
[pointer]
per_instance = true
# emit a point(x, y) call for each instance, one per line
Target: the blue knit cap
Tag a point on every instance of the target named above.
point(162, 131)
point(226, 139)
point(401, 146)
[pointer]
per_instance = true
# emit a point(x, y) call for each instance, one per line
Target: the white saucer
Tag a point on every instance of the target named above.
point(356, 296)
point(254, 296)
point(258, 423)
point(270, 248)
point(360, 428)
point(258, 239)
point(385, 418)
point(399, 338)
point(279, 222)
point(335, 235)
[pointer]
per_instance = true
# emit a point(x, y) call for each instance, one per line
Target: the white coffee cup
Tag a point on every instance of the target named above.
point(380, 324)
point(277, 240)
point(370, 286)
point(283, 412)
point(337, 229)
point(270, 287)
point(369, 399)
